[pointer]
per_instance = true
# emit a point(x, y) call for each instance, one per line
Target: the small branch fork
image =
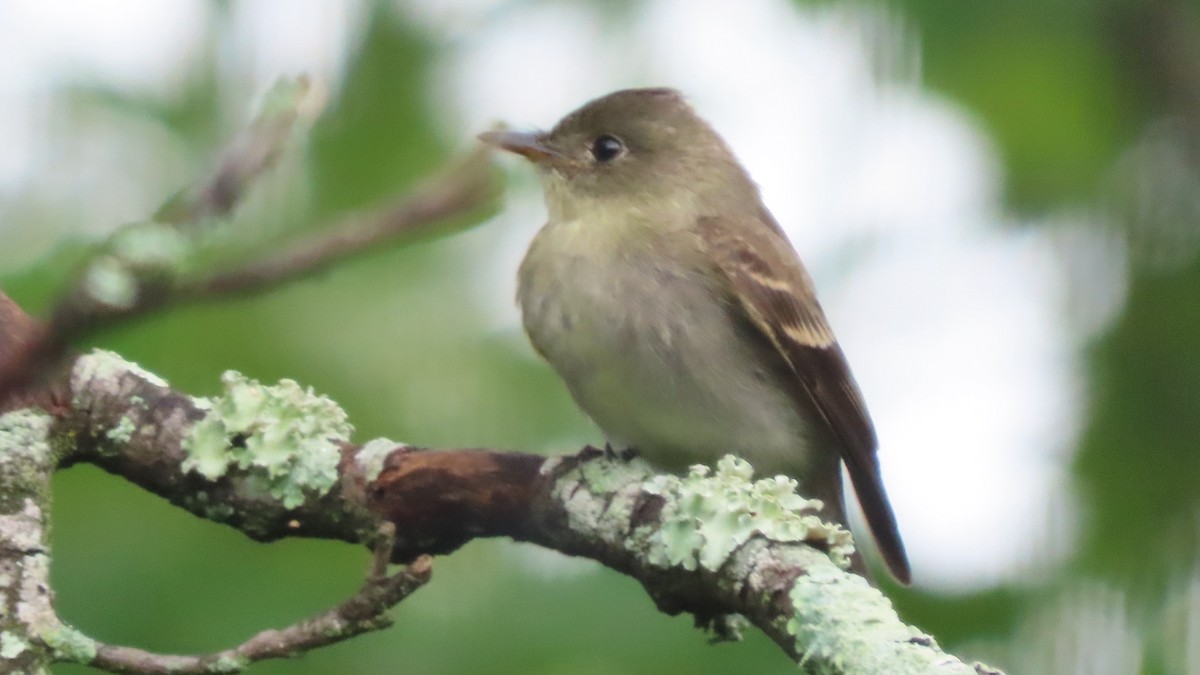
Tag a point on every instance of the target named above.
point(139, 270)
point(366, 611)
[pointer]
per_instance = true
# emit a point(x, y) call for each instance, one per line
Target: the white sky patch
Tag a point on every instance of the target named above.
point(528, 65)
point(967, 368)
point(923, 168)
point(141, 46)
point(274, 38)
point(132, 44)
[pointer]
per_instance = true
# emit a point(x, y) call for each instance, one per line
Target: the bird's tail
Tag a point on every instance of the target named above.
point(877, 511)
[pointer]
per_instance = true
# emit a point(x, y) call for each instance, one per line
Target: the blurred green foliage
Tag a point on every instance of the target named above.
point(1043, 79)
point(1063, 89)
point(378, 134)
point(1146, 375)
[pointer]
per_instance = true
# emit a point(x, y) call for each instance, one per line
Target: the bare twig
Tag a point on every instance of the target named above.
point(365, 612)
point(251, 154)
point(138, 272)
point(464, 188)
point(134, 271)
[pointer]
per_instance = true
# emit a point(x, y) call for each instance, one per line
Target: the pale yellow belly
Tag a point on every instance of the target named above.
point(659, 365)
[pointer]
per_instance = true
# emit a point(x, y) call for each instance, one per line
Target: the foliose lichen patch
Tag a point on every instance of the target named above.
point(708, 515)
point(287, 433)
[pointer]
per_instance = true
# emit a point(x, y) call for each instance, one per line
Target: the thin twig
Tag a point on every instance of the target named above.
point(254, 152)
point(364, 612)
point(130, 277)
point(132, 273)
point(462, 189)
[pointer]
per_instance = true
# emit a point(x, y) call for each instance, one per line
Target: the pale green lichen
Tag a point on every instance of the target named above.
point(150, 246)
point(12, 645)
point(24, 529)
point(123, 431)
point(104, 367)
point(287, 433)
point(842, 624)
point(69, 644)
point(600, 507)
point(707, 517)
point(371, 456)
point(228, 664)
point(34, 608)
point(108, 282)
point(611, 476)
point(201, 504)
point(26, 454)
point(24, 434)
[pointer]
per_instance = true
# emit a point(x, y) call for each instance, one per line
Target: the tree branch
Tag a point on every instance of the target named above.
point(140, 269)
point(462, 189)
point(254, 152)
point(706, 543)
point(134, 271)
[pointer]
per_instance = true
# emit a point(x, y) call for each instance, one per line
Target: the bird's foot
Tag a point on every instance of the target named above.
point(624, 454)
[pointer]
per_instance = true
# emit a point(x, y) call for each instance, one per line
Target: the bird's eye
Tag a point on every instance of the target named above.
point(607, 148)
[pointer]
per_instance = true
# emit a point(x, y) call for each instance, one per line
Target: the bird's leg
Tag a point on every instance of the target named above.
point(624, 454)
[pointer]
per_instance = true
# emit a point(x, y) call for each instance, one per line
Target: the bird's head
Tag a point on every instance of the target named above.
point(635, 148)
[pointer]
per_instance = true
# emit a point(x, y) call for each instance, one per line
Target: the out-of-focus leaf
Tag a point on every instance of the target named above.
point(1043, 80)
point(1139, 460)
point(377, 135)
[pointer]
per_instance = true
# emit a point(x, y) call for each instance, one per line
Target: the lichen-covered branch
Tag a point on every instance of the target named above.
point(129, 422)
point(714, 544)
point(29, 629)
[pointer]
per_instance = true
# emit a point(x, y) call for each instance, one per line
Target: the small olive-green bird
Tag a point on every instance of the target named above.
point(672, 305)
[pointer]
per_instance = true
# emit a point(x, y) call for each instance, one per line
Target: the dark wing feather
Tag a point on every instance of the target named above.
point(776, 295)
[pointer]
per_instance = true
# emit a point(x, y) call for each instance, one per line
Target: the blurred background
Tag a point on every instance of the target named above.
point(1000, 204)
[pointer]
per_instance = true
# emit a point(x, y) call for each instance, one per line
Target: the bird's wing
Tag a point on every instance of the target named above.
point(776, 296)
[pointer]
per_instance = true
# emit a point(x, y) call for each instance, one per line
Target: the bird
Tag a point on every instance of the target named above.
point(679, 316)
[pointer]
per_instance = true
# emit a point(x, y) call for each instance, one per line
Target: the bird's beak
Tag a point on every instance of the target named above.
point(528, 145)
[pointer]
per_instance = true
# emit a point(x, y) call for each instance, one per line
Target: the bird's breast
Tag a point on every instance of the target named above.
point(650, 350)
